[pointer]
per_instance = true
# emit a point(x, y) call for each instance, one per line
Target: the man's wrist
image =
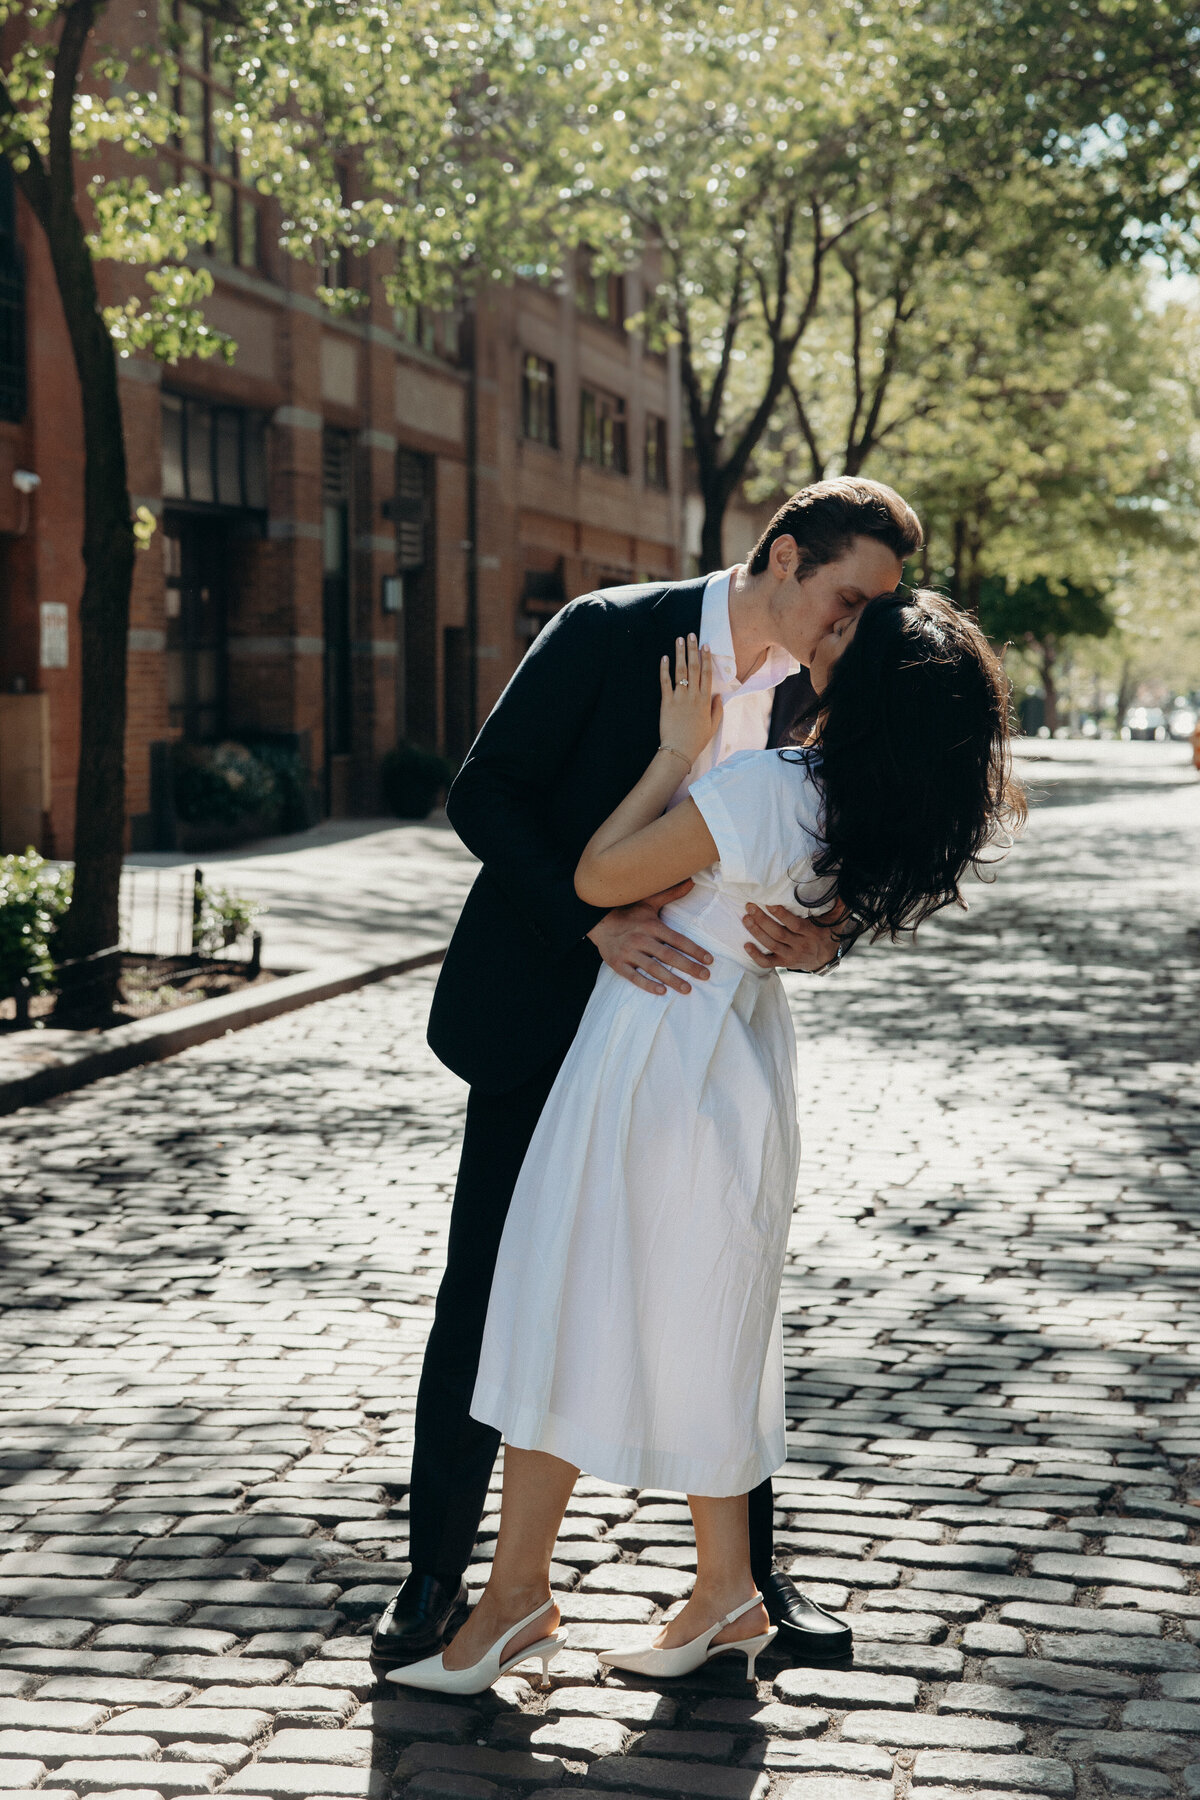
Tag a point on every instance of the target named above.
point(827, 967)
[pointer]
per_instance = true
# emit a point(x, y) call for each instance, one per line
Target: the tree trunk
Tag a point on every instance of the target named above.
point(91, 922)
point(712, 532)
point(1048, 648)
point(958, 540)
point(1126, 690)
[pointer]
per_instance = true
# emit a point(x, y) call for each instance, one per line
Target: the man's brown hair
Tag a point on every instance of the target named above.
point(826, 518)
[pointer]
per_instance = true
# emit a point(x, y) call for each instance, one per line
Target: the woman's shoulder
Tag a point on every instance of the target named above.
point(799, 777)
point(787, 780)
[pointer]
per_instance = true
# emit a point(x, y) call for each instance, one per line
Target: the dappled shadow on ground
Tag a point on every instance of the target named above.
point(1011, 1162)
point(219, 1271)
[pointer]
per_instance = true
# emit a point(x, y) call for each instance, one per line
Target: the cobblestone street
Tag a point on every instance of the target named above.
point(218, 1273)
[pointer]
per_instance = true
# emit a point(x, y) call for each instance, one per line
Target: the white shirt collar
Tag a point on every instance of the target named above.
point(716, 634)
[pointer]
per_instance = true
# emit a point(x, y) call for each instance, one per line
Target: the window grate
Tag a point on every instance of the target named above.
point(335, 466)
point(410, 510)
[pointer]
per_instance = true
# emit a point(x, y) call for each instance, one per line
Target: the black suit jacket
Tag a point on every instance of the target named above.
point(569, 737)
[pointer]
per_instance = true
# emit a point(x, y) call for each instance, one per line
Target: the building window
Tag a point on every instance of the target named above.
point(336, 458)
point(12, 304)
point(656, 451)
point(213, 455)
point(334, 267)
point(599, 294)
point(204, 161)
point(436, 333)
point(413, 513)
point(602, 430)
point(539, 401)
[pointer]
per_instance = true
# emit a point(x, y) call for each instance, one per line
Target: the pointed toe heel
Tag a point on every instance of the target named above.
point(750, 1648)
point(687, 1657)
point(434, 1677)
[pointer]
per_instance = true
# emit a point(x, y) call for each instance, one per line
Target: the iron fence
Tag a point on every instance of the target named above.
point(158, 909)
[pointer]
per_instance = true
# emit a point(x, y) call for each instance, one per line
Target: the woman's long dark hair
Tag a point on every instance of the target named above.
point(912, 753)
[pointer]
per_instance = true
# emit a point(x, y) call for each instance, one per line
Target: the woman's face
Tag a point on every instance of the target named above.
point(830, 647)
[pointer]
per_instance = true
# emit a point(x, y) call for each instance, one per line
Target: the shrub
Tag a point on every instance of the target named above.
point(222, 918)
point(291, 784)
point(33, 898)
point(222, 784)
point(412, 778)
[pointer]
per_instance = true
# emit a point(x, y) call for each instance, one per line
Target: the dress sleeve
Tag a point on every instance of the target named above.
point(735, 802)
point(763, 811)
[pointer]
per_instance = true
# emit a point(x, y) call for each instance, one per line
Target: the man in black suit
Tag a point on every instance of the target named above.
point(566, 741)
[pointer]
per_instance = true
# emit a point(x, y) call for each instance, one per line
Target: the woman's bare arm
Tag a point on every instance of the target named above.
point(641, 849)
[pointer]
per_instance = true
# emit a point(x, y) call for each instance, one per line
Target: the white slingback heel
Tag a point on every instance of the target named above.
point(686, 1657)
point(432, 1673)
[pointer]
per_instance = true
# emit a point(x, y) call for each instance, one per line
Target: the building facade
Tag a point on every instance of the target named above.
point(360, 523)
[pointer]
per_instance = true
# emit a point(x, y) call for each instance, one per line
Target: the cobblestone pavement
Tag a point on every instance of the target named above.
point(218, 1273)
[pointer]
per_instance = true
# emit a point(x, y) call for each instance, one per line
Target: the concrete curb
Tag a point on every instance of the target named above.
point(83, 1057)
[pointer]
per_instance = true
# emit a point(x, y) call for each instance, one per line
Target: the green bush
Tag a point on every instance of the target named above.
point(412, 778)
point(222, 784)
point(222, 919)
point(291, 784)
point(33, 898)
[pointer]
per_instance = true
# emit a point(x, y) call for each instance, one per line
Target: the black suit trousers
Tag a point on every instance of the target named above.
point(453, 1453)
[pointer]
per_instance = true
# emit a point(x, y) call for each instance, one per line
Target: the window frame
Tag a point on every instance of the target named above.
point(606, 409)
point(656, 434)
point(600, 296)
point(539, 382)
point(209, 166)
point(242, 428)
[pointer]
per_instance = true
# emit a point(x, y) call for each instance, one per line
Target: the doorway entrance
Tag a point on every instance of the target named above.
point(416, 663)
point(196, 552)
point(335, 599)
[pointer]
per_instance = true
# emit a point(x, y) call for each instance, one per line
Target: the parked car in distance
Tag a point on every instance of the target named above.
point(1145, 722)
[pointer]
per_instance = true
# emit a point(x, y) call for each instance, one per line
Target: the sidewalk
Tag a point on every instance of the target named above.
point(371, 889)
point(349, 902)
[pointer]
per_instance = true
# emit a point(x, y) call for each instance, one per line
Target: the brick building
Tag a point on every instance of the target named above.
point(361, 522)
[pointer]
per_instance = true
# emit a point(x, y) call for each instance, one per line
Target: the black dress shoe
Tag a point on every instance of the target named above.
point(807, 1633)
point(423, 1616)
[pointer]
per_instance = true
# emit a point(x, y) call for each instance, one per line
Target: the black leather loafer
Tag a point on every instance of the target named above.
point(807, 1633)
point(423, 1616)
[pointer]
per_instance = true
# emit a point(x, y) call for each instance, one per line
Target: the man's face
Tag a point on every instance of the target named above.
point(805, 613)
point(829, 650)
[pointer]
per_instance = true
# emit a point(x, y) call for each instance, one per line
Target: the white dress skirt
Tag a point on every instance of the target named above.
point(633, 1327)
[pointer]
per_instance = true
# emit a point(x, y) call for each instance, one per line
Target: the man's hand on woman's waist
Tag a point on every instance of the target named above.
point(635, 943)
point(788, 940)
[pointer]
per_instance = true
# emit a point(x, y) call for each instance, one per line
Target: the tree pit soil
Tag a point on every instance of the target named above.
point(150, 985)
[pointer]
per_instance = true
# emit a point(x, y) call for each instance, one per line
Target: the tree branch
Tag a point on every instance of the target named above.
point(816, 461)
point(733, 321)
point(78, 19)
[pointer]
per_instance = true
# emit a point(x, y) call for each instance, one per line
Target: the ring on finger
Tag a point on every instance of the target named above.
point(683, 681)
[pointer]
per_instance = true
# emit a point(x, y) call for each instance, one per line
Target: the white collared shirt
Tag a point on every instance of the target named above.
point(746, 720)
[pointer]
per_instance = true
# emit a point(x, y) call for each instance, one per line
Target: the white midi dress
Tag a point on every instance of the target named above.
point(633, 1327)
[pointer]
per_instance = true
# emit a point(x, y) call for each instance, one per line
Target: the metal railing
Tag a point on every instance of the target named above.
point(158, 910)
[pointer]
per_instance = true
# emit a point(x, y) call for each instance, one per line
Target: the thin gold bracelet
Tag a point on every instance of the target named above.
point(671, 751)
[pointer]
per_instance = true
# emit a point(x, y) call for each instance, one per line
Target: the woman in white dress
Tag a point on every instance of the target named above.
point(633, 1328)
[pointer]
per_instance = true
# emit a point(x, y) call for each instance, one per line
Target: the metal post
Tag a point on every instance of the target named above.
point(197, 909)
point(254, 969)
